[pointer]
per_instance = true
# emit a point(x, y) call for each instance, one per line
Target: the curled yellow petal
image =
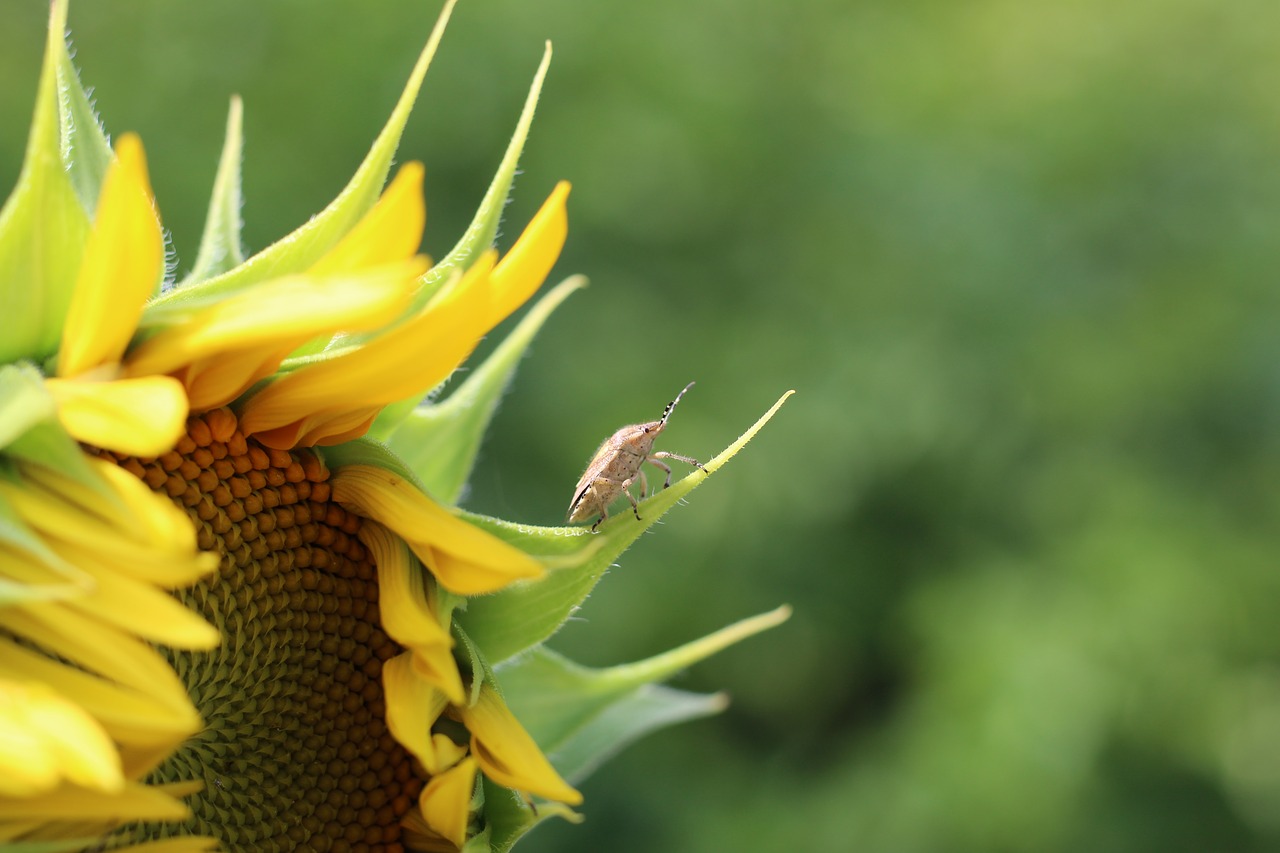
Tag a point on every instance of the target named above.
point(121, 267)
point(413, 706)
point(140, 417)
point(220, 349)
point(390, 231)
point(446, 801)
point(464, 559)
point(409, 359)
point(407, 615)
point(46, 740)
point(507, 754)
point(524, 268)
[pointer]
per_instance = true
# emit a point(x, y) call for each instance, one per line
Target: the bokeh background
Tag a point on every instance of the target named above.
point(1018, 260)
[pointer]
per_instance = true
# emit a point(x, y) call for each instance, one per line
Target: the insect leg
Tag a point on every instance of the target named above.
point(653, 460)
point(644, 485)
point(626, 490)
point(604, 514)
point(688, 460)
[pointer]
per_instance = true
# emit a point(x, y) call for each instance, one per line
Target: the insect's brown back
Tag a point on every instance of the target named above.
point(617, 460)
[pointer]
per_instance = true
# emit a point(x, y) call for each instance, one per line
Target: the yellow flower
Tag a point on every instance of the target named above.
point(285, 597)
point(227, 619)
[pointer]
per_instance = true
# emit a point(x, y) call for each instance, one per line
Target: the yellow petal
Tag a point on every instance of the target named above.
point(99, 648)
point(219, 350)
point(507, 754)
point(464, 559)
point(409, 359)
point(46, 739)
point(390, 231)
point(122, 262)
point(321, 428)
point(524, 268)
point(216, 381)
point(446, 801)
point(135, 802)
point(141, 535)
point(117, 600)
point(140, 417)
point(153, 520)
point(413, 706)
point(407, 615)
point(129, 716)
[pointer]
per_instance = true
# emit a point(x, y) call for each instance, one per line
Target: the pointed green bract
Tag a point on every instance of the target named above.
point(299, 250)
point(475, 663)
point(220, 248)
point(86, 152)
point(643, 711)
point(526, 613)
point(440, 441)
point(480, 234)
point(478, 237)
point(581, 716)
point(43, 226)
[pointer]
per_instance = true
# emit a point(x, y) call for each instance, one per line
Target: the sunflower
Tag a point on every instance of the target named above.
point(238, 609)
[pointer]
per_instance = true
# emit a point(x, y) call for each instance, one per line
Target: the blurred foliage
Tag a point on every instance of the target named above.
point(1018, 260)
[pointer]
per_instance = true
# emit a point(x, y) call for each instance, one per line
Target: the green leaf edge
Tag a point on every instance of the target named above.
point(527, 613)
point(305, 245)
point(556, 725)
point(43, 223)
point(220, 247)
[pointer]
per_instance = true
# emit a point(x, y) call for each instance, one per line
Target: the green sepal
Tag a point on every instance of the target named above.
point(478, 237)
point(526, 613)
point(86, 152)
point(440, 441)
point(367, 451)
point(478, 843)
point(508, 817)
point(220, 247)
point(581, 716)
point(480, 669)
point(43, 224)
point(483, 229)
point(306, 245)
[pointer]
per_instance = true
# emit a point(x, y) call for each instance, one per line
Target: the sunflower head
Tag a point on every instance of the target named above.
point(239, 608)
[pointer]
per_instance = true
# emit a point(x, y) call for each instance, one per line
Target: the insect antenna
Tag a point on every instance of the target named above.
point(666, 413)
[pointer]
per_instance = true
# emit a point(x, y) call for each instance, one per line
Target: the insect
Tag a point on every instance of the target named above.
point(616, 466)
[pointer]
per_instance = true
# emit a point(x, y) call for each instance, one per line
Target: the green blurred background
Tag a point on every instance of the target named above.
point(1017, 258)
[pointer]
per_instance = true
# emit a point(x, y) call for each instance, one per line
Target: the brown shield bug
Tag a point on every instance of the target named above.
point(616, 466)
